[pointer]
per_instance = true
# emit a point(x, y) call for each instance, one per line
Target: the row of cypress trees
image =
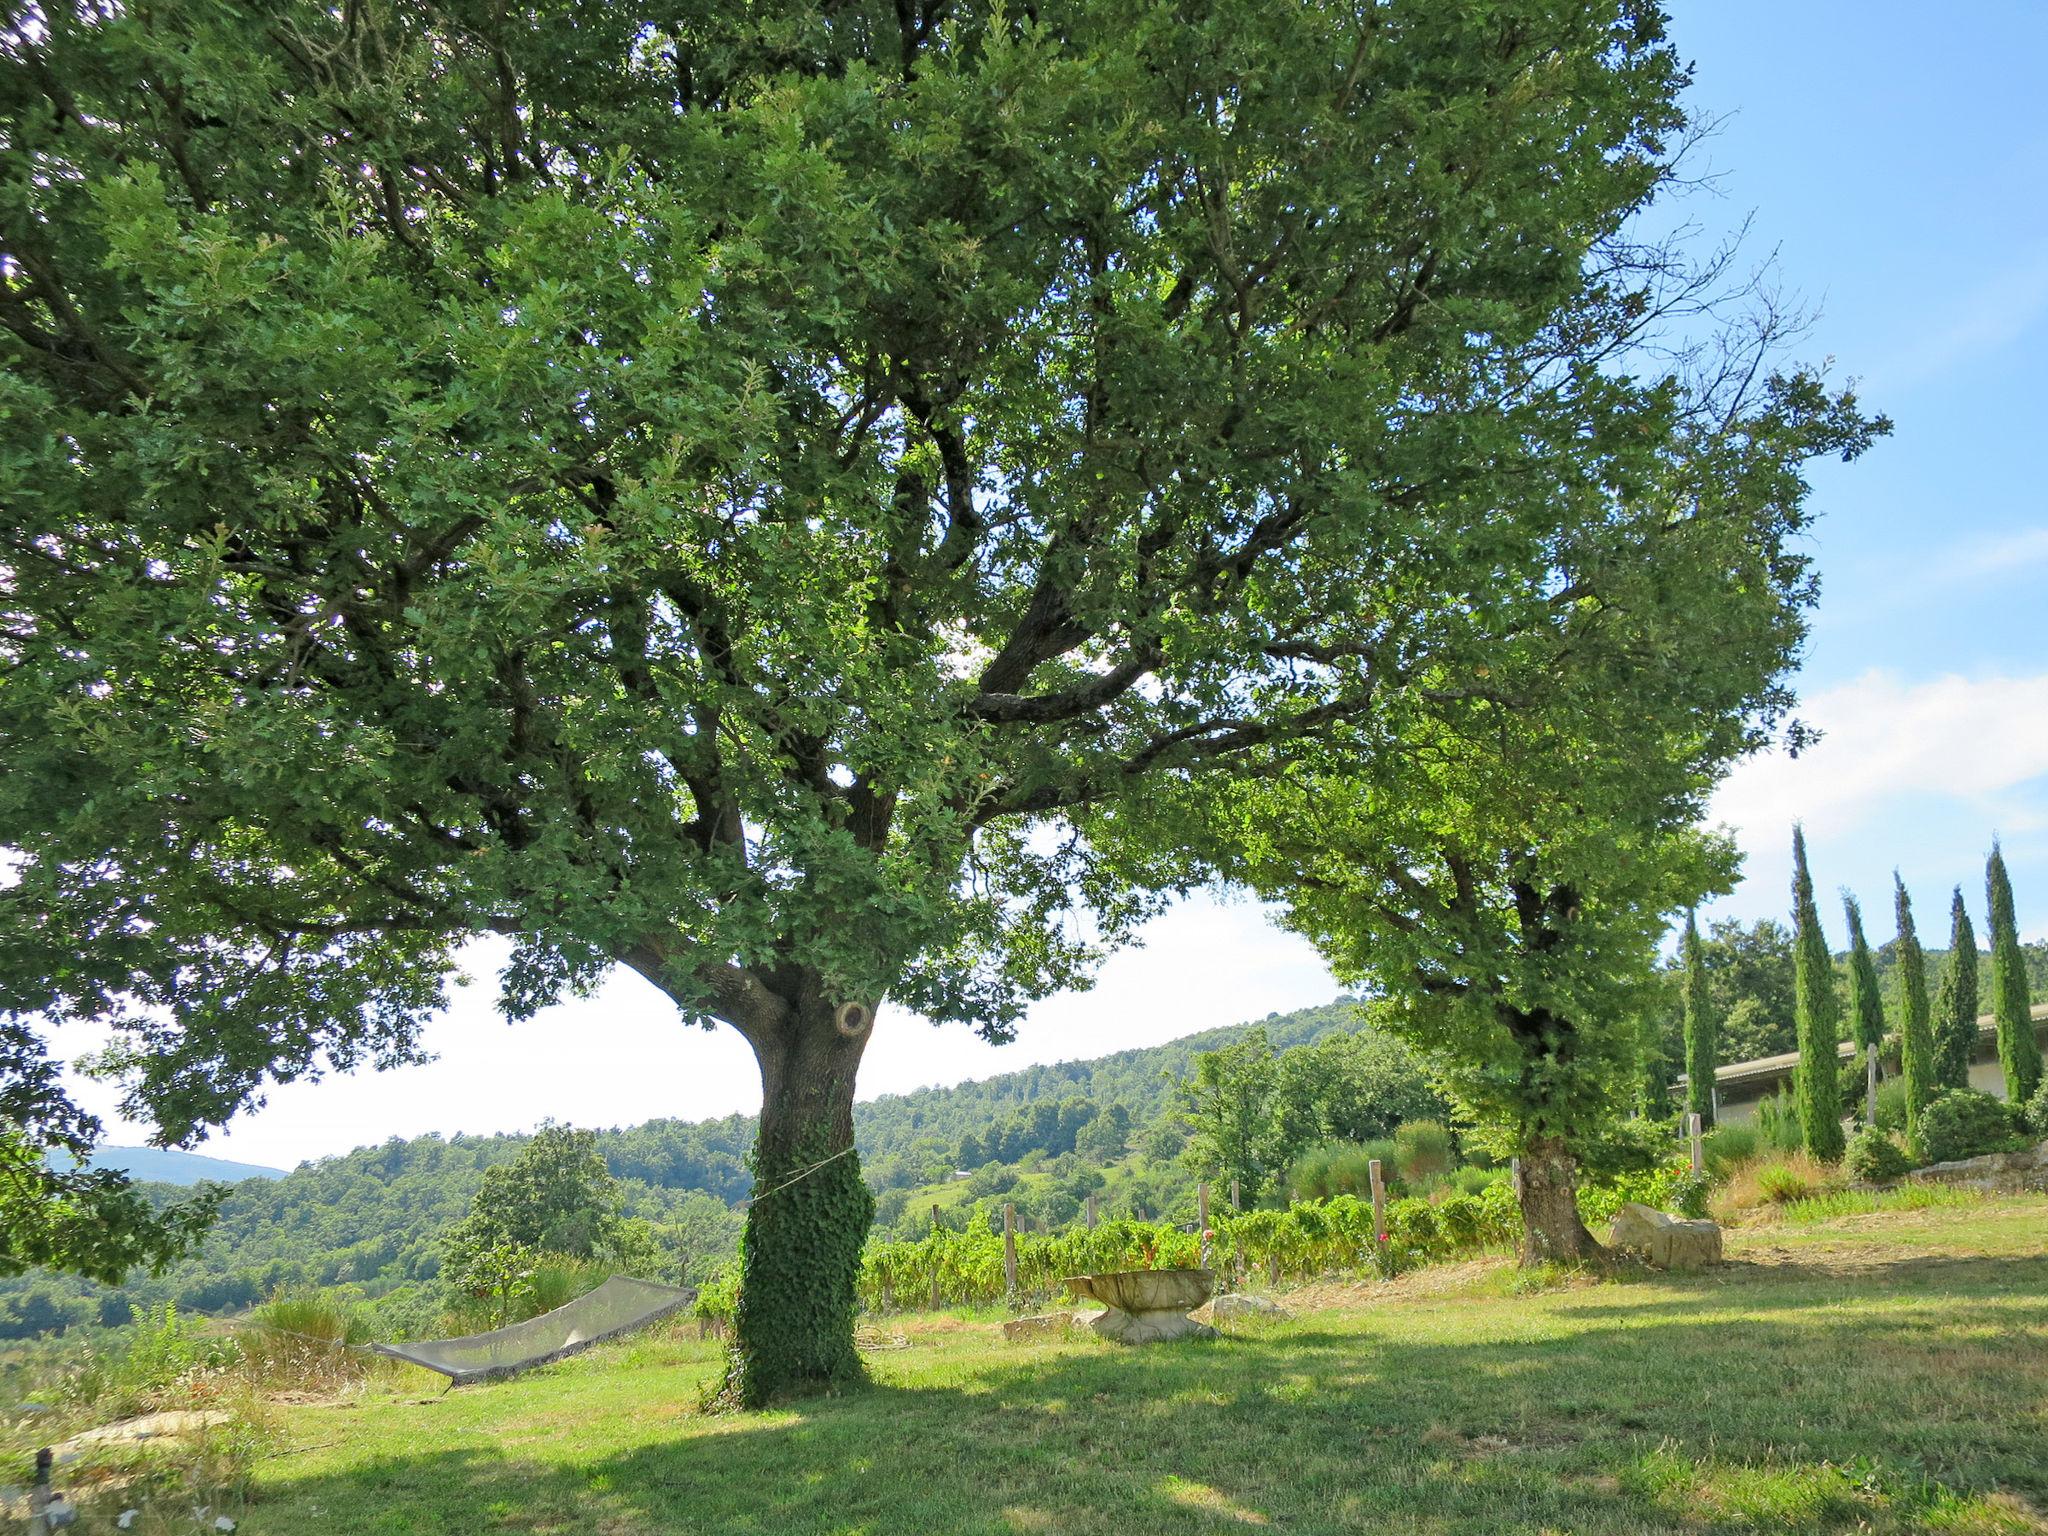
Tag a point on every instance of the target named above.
point(1935, 1045)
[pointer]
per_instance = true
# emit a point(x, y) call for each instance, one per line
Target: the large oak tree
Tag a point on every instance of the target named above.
point(715, 489)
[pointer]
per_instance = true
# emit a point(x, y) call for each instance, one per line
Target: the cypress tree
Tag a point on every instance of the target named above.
point(1819, 1016)
point(1702, 1030)
point(1955, 1010)
point(2019, 1054)
point(1916, 1034)
point(1866, 1001)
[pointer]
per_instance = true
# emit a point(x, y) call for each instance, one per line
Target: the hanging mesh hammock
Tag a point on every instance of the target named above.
point(618, 1306)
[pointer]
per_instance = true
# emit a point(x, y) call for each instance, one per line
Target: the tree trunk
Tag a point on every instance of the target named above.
point(1548, 1194)
point(810, 1210)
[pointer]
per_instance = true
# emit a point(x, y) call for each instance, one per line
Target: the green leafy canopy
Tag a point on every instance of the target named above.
point(721, 490)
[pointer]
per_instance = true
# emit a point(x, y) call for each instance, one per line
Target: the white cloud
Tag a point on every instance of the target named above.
point(2001, 555)
point(1979, 740)
point(1916, 777)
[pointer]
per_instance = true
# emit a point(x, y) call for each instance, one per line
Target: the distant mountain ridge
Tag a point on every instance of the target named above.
point(159, 1165)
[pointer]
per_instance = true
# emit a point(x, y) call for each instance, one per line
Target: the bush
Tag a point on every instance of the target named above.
point(1777, 1123)
point(1727, 1145)
point(1874, 1158)
point(1781, 1184)
point(1961, 1122)
point(2037, 1110)
point(1670, 1187)
point(1891, 1105)
point(1342, 1168)
point(1475, 1181)
point(1422, 1152)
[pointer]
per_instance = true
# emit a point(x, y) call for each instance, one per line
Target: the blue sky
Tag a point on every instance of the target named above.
point(1887, 154)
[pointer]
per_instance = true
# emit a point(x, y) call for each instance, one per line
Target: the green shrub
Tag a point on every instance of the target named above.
point(1727, 1145)
point(1777, 1123)
point(1961, 1122)
point(1672, 1186)
point(1891, 1105)
point(1342, 1168)
point(1874, 1158)
point(1475, 1181)
point(2037, 1111)
point(1781, 1184)
point(1422, 1151)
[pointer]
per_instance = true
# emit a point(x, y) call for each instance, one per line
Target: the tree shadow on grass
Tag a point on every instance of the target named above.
point(1656, 1424)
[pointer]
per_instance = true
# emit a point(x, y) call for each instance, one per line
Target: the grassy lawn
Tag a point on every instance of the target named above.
point(1883, 1373)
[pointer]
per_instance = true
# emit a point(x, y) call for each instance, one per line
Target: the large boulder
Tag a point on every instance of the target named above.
point(1665, 1241)
point(1237, 1306)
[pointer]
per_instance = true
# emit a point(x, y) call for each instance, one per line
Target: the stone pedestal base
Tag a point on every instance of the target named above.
point(1149, 1327)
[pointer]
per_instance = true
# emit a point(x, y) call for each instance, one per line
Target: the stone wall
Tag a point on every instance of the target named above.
point(1998, 1173)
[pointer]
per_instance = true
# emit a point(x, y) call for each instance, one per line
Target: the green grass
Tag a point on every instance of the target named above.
point(1870, 1202)
point(1823, 1387)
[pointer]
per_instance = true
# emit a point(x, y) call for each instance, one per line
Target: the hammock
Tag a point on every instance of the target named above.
point(618, 1306)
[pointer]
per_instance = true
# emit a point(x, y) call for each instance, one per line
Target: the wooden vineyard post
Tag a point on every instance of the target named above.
point(1379, 1201)
point(1870, 1084)
point(1091, 1213)
point(1692, 1130)
point(1010, 1249)
point(1202, 1220)
point(935, 1261)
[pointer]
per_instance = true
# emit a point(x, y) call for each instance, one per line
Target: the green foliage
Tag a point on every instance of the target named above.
point(1874, 1157)
point(578, 538)
point(1780, 1183)
point(1819, 1018)
point(1961, 1122)
point(1228, 1102)
point(1669, 1186)
point(498, 1274)
point(800, 1260)
point(1726, 1145)
point(1701, 1027)
point(556, 1196)
point(1866, 998)
point(1342, 1168)
point(1356, 1085)
point(2019, 1052)
point(1916, 1025)
point(86, 1221)
point(1891, 1105)
point(1955, 1010)
point(1422, 1153)
point(2037, 1112)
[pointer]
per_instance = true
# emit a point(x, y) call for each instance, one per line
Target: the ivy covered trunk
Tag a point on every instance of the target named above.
point(1549, 1198)
point(810, 1211)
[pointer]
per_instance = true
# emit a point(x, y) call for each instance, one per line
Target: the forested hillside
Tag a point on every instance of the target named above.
point(374, 1218)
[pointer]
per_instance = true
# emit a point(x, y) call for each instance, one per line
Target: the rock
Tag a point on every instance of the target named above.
point(1149, 1327)
point(1635, 1225)
point(1664, 1241)
point(1237, 1305)
point(1045, 1326)
point(126, 1519)
point(150, 1426)
point(1996, 1173)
